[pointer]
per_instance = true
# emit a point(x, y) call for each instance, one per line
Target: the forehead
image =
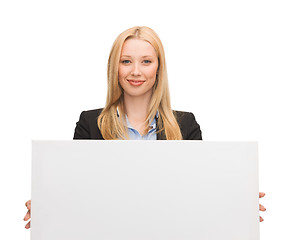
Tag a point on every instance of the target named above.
point(137, 47)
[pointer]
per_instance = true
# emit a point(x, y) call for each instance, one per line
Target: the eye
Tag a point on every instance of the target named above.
point(125, 61)
point(147, 61)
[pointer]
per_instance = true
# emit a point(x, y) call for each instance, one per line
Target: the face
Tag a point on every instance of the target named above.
point(137, 68)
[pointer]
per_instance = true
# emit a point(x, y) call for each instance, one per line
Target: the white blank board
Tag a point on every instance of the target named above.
point(140, 190)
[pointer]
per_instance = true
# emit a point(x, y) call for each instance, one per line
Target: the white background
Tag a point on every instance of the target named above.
point(227, 63)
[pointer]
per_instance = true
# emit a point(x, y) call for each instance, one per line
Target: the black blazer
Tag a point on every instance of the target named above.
point(87, 128)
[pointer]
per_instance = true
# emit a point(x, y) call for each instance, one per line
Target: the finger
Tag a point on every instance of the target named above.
point(262, 208)
point(261, 219)
point(28, 204)
point(28, 215)
point(27, 226)
point(261, 194)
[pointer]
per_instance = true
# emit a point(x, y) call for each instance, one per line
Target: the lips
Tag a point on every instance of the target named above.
point(135, 82)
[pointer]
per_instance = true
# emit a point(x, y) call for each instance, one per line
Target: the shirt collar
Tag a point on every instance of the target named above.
point(152, 125)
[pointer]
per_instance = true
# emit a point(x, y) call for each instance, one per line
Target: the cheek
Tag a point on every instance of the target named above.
point(153, 72)
point(122, 74)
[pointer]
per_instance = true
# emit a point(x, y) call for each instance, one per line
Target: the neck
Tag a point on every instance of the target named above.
point(137, 108)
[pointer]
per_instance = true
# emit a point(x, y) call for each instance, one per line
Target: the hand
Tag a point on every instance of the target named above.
point(28, 214)
point(261, 207)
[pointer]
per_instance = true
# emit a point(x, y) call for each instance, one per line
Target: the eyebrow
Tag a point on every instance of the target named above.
point(142, 56)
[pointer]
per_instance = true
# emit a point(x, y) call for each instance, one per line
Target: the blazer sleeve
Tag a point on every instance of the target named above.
point(194, 132)
point(189, 127)
point(82, 127)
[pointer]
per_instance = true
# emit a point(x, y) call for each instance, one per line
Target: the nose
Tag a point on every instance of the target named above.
point(136, 70)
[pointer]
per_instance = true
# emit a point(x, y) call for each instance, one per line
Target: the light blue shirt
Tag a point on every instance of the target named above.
point(135, 135)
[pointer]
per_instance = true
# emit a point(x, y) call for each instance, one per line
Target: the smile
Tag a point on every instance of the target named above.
point(136, 82)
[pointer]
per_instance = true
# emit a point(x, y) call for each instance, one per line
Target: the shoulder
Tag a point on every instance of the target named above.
point(184, 118)
point(87, 127)
point(182, 114)
point(189, 127)
point(91, 114)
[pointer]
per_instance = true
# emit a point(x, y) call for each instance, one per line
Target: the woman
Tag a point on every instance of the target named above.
point(138, 95)
point(138, 101)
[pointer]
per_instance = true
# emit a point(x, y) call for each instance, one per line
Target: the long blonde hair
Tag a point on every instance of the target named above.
point(111, 122)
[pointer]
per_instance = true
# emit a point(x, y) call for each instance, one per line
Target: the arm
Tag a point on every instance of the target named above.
point(82, 128)
point(194, 131)
point(189, 127)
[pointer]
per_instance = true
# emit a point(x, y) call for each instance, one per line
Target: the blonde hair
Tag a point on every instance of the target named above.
point(108, 121)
